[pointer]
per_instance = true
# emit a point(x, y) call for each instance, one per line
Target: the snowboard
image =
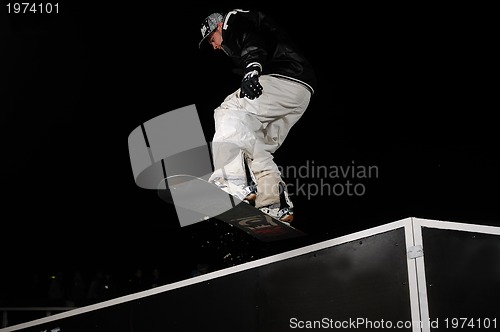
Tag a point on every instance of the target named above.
point(196, 199)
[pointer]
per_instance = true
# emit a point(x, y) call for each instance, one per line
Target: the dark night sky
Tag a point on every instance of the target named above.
point(408, 90)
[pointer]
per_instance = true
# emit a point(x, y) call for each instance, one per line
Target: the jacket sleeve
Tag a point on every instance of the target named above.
point(251, 45)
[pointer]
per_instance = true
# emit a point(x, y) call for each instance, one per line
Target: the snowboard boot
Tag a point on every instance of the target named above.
point(283, 210)
point(247, 194)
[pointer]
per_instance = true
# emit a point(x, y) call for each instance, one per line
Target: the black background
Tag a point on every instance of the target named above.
point(408, 89)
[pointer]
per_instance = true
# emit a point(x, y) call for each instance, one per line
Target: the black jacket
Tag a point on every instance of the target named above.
point(251, 36)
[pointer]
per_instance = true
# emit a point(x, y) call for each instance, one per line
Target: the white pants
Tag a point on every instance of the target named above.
point(251, 131)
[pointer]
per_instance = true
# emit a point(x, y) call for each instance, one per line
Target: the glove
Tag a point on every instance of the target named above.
point(250, 86)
